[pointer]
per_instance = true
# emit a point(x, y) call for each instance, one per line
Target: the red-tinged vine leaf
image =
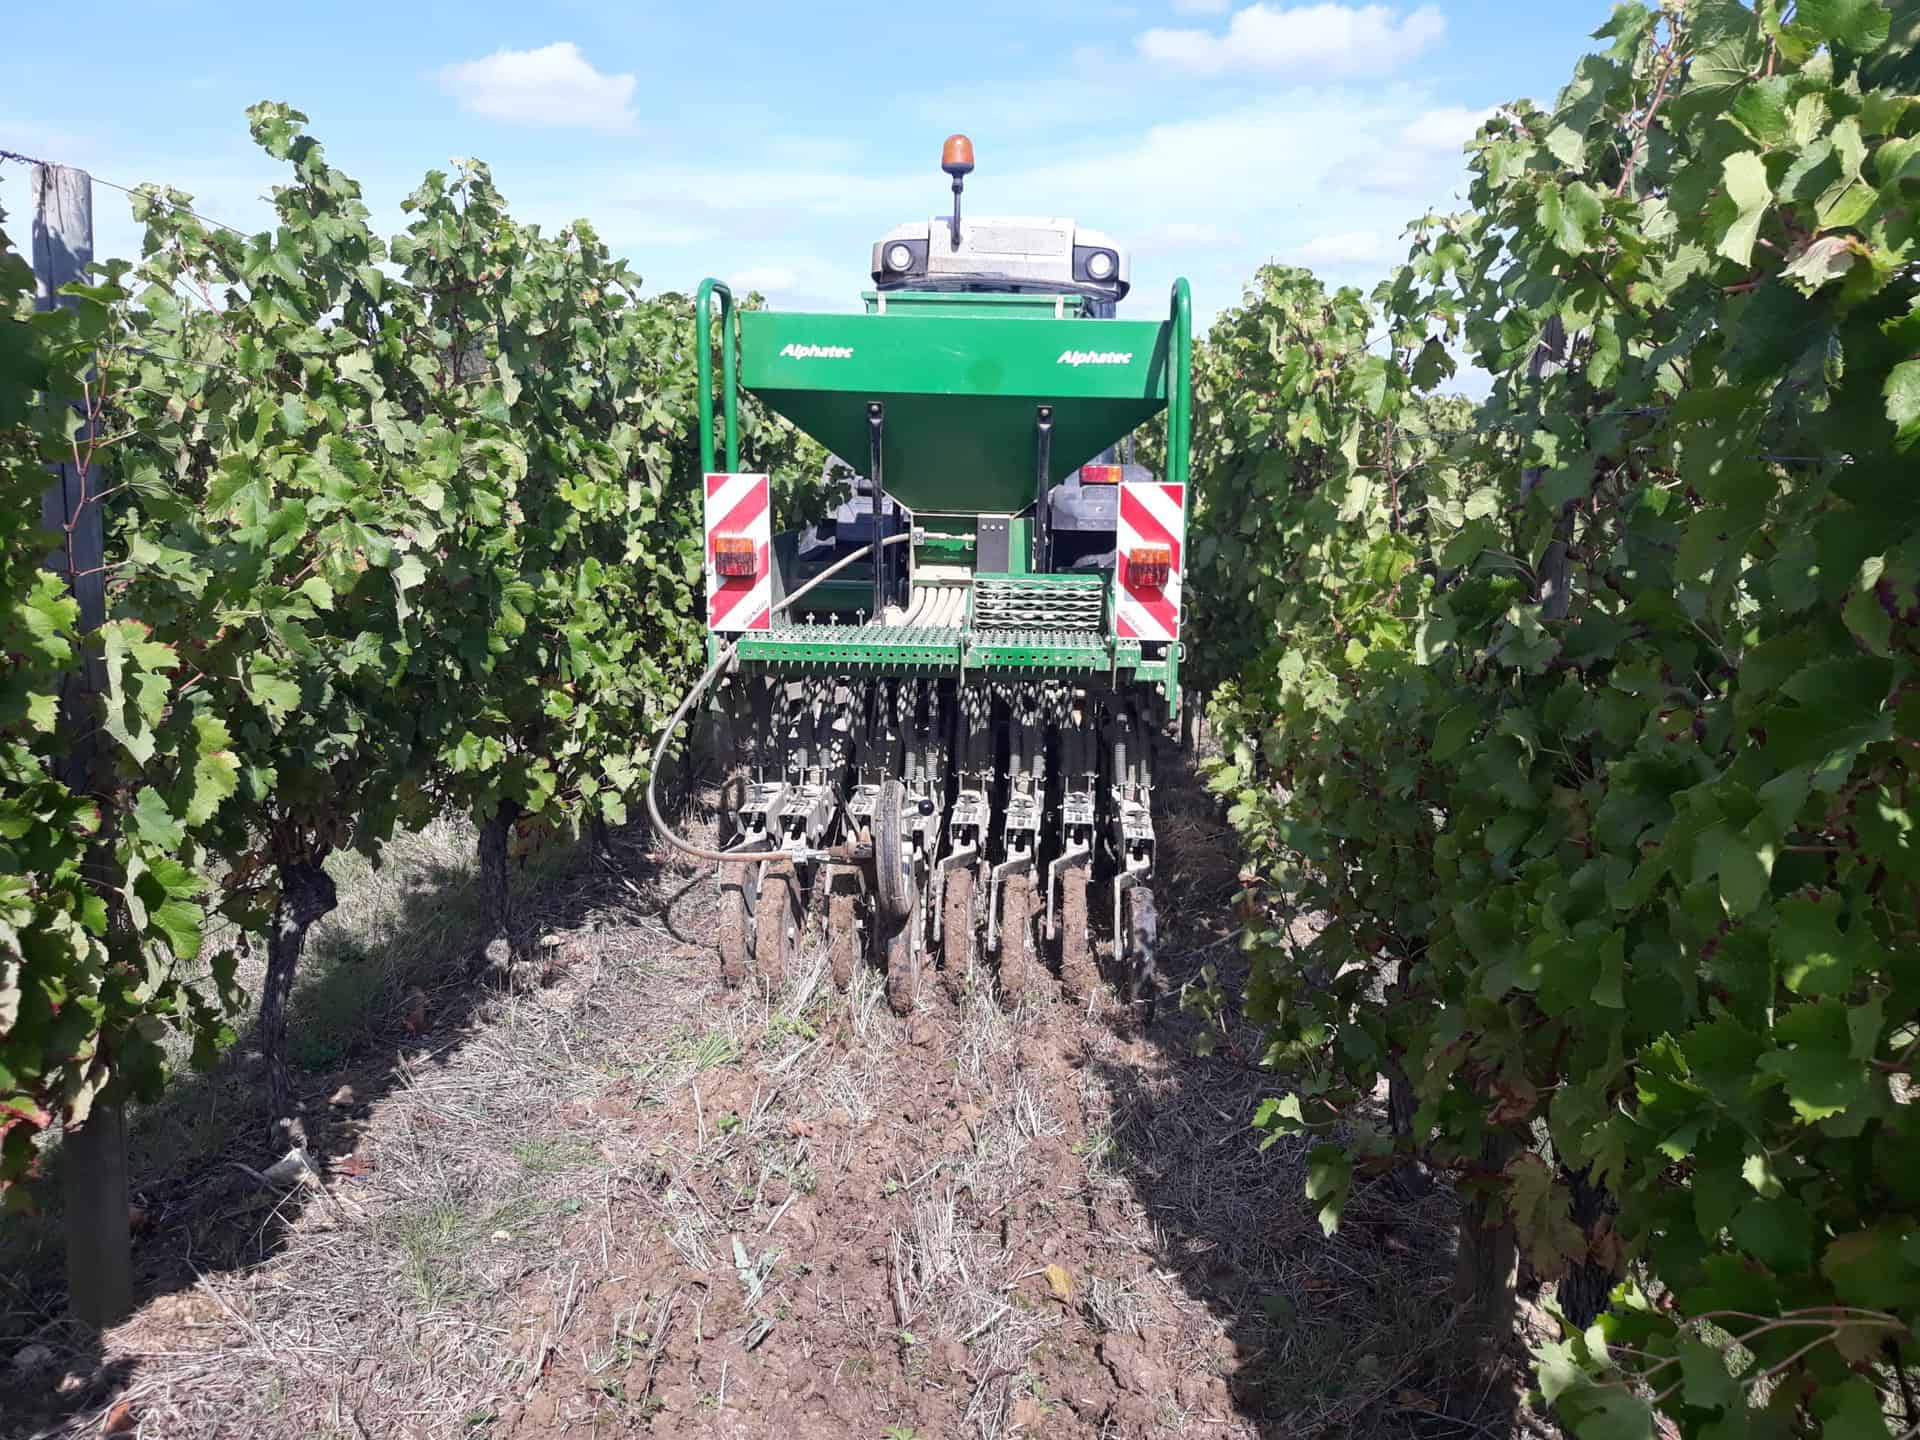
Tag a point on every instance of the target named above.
point(1605, 1249)
point(1515, 1100)
point(1861, 1342)
point(1822, 261)
point(1873, 1267)
point(1541, 1210)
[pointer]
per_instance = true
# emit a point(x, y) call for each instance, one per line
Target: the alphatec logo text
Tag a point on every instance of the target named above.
point(817, 352)
point(1095, 357)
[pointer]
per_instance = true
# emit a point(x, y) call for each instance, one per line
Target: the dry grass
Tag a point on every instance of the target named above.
point(614, 1197)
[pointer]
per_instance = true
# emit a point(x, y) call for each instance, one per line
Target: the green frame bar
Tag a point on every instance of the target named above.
point(1179, 446)
point(729, 368)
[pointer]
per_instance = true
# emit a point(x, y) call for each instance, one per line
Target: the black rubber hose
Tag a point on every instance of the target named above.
point(687, 847)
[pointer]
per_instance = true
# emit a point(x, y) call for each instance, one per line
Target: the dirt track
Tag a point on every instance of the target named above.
point(627, 1201)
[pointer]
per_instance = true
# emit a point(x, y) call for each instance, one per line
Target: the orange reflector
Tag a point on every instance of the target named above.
point(1148, 566)
point(1099, 474)
point(733, 557)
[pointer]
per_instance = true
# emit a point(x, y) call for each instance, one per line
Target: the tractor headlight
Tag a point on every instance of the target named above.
point(899, 257)
point(1097, 265)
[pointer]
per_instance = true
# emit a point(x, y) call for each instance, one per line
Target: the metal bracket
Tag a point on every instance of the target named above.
point(860, 808)
point(876, 430)
point(1042, 521)
point(805, 816)
point(760, 811)
point(1122, 884)
point(1060, 862)
point(1023, 861)
point(951, 861)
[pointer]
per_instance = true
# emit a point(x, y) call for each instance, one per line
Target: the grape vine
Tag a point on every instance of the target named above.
point(1586, 716)
point(380, 546)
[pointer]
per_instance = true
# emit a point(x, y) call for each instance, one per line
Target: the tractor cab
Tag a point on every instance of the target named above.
point(1000, 255)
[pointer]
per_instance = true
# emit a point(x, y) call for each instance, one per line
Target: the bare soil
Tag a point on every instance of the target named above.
point(616, 1198)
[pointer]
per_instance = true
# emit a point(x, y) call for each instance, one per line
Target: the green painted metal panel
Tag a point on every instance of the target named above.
point(834, 596)
point(945, 548)
point(1019, 544)
point(948, 650)
point(960, 392)
point(1037, 649)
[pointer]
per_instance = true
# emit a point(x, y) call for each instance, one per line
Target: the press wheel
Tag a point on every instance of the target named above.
point(1019, 973)
point(1079, 975)
point(892, 859)
point(773, 928)
point(903, 964)
point(736, 883)
point(843, 925)
point(956, 933)
point(1142, 944)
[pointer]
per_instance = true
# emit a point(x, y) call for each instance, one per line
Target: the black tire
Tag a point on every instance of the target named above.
point(892, 861)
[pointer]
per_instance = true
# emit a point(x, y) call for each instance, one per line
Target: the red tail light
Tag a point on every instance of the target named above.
point(734, 557)
point(1148, 566)
point(1100, 475)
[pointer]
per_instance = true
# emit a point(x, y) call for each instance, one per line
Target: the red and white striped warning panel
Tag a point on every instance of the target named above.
point(739, 553)
point(1153, 532)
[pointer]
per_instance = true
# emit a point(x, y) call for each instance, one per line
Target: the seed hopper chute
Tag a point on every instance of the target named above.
point(945, 698)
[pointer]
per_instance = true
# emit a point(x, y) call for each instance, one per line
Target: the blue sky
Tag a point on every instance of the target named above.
point(771, 144)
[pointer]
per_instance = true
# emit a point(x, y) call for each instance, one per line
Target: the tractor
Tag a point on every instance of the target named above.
point(945, 697)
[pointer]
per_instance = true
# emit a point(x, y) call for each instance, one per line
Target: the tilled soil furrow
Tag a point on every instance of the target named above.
point(622, 1197)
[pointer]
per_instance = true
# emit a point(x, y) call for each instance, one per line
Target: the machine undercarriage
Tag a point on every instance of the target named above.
point(991, 812)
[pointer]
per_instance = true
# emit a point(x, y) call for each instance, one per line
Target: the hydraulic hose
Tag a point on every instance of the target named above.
point(665, 831)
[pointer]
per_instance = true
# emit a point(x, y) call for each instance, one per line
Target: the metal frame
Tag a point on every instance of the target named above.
point(843, 711)
point(942, 652)
point(729, 369)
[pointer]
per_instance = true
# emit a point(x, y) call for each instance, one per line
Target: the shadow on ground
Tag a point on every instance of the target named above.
point(1349, 1334)
point(391, 987)
point(634, 1202)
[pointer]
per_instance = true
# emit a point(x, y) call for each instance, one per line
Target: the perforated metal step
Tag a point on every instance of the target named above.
point(1051, 602)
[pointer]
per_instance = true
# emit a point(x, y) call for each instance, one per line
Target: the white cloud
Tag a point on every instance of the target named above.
point(1210, 195)
point(767, 279)
point(1187, 232)
point(1324, 39)
point(1347, 247)
point(1200, 7)
point(1447, 128)
point(552, 86)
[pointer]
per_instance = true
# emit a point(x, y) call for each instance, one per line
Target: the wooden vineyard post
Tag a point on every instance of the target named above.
point(94, 1161)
